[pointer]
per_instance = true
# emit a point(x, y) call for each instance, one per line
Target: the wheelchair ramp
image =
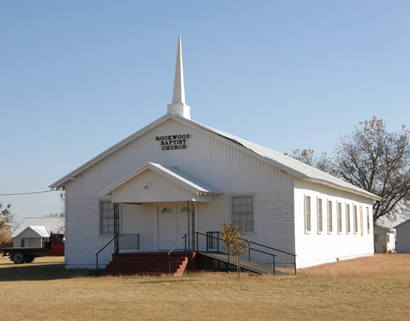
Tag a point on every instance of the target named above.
point(244, 264)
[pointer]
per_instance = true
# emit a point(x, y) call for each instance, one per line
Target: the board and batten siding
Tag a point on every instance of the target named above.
point(313, 248)
point(214, 160)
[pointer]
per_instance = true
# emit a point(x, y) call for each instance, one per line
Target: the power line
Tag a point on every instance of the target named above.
point(28, 193)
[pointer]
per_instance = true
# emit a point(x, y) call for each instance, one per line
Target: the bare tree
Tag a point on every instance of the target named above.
point(377, 161)
point(307, 156)
point(374, 159)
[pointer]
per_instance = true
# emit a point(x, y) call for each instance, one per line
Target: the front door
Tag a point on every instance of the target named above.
point(172, 225)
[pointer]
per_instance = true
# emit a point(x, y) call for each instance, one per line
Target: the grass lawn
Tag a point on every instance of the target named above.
point(374, 288)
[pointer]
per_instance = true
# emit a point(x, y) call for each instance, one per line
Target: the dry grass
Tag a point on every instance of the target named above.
point(375, 288)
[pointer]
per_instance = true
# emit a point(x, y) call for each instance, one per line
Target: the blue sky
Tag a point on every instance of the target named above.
point(78, 76)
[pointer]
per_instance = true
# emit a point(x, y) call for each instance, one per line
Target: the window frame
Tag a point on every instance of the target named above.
point(329, 216)
point(252, 196)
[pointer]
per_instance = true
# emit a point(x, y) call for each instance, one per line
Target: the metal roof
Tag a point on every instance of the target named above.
point(39, 224)
point(277, 159)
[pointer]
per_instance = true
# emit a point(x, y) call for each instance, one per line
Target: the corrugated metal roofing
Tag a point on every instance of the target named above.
point(50, 224)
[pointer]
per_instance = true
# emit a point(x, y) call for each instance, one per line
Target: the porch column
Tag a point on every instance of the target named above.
point(193, 235)
point(116, 227)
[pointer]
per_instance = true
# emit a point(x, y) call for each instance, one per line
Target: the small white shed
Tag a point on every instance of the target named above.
point(403, 237)
point(34, 231)
point(384, 239)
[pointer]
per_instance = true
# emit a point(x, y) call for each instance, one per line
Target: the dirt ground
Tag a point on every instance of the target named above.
point(373, 288)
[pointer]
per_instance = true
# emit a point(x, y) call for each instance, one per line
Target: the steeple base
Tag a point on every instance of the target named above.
point(180, 109)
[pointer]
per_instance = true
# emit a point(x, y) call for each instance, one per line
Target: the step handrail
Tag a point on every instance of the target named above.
point(173, 249)
point(101, 249)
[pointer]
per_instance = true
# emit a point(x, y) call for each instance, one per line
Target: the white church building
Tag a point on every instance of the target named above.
point(174, 182)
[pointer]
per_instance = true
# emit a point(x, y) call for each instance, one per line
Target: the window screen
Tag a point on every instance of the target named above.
point(106, 217)
point(339, 217)
point(329, 217)
point(347, 219)
point(319, 215)
point(368, 220)
point(242, 212)
point(355, 226)
point(307, 214)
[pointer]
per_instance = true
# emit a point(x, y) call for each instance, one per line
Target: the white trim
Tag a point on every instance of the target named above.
point(173, 175)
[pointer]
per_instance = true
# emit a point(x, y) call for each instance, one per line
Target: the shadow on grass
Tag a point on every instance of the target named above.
point(42, 271)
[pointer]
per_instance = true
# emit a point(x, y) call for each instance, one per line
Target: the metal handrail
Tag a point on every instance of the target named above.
point(108, 243)
point(268, 247)
point(251, 248)
point(273, 258)
point(173, 249)
point(99, 251)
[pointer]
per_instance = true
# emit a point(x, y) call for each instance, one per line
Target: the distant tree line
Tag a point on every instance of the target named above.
point(374, 159)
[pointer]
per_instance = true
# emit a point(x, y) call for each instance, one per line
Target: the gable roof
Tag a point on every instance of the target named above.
point(50, 224)
point(40, 231)
point(286, 163)
point(172, 173)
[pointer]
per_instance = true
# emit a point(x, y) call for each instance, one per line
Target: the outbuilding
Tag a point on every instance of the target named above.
point(179, 179)
point(33, 232)
point(403, 237)
point(384, 239)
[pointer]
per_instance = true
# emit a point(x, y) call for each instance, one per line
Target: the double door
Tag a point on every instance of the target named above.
point(172, 225)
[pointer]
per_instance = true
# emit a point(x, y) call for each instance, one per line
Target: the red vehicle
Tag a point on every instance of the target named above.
point(53, 247)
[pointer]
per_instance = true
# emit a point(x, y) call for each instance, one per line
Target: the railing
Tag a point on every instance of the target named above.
point(101, 249)
point(250, 244)
point(126, 241)
point(174, 248)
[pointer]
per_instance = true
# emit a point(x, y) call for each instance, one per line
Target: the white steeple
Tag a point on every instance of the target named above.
point(178, 105)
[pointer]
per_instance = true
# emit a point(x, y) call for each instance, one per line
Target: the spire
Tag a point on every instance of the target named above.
point(178, 105)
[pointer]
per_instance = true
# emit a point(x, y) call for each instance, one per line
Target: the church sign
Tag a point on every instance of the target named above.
point(173, 142)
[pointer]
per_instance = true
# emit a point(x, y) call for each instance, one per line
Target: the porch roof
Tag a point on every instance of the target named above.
point(172, 174)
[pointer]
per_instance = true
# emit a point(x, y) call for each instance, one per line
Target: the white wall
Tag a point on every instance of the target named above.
point(29, 242)
point(403, 237)
point(210, 159)
point(313, 248)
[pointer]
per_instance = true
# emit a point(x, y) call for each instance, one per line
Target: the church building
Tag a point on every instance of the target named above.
point(172, 184)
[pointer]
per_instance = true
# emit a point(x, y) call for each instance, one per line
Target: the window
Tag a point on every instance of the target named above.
point(339, 217)
point(347, 219)
point(166, 210)
point(319, 215)
point(242, 211)
point(387, 238)
point(22, 243)
point(355, 227)
point(368, 220)
point(361, 220)
point(106, 217)
point(329, 217)
point(308, 224)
